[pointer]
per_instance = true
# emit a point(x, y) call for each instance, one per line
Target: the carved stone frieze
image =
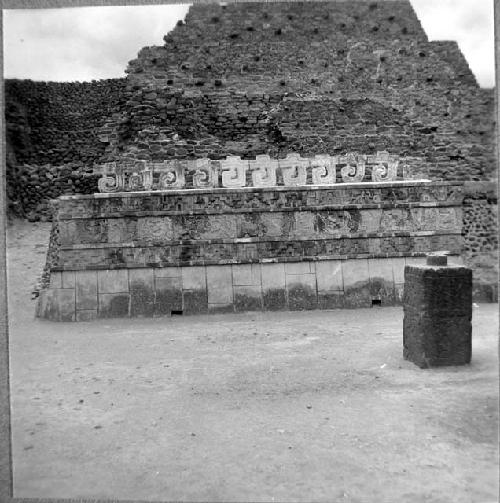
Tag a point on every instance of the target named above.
point(294, 170)
point(133, 175)
point(263, 171)
point(354, 167)
point(233, 172)
point(385, 167)
point(323, 169)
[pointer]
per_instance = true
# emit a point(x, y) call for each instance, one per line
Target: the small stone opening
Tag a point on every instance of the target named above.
point(176, 313)
point(376, 302)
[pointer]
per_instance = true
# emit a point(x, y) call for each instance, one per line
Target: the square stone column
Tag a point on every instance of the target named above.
point(437, 305)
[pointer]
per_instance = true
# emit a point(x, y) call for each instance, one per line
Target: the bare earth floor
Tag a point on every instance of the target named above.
point(302, 406)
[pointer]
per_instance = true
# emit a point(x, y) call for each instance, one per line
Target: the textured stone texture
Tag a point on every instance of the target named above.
point(437, 315)
point(217, 226)
point(325, 284)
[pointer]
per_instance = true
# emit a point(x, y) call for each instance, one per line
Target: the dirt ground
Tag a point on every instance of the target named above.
point(302, 406)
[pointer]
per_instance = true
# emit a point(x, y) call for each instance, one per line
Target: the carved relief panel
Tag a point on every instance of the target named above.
point(294, 170)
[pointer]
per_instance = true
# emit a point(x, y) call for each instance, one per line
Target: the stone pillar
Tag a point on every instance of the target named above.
point(437, 305)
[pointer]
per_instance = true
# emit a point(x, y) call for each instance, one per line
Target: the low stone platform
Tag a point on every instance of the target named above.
point(225, 250)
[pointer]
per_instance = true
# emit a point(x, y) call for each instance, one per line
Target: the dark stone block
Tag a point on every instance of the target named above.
point(382, 290)
point(437, 328)
point(331, 300)
point(356, 297)
point(220, 309)
point(142, 299)
point(113, 305)
point(436, 341)
point(194, 301)
point(168, 300)
point(247, 303)
point(302, 298)
point(440, 291)
point(274, 299)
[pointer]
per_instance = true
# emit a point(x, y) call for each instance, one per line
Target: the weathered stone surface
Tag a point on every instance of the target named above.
point(247, 298)
point(437, 326)
point(68, 279)
point(219, 285)
point(142, 292)
point(168, 295)
point(113, 281)
point(114, 305)
point(329, 276)
point(356, 283)
point(274, 287)
point(382, 281)
point(194, 301)
point(57, 304)
point(246, 275)
point(301, 290)
point(86, 290)
point(194, 278)
point(86, 315)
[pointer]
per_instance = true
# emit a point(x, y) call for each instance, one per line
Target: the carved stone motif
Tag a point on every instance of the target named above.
point(171, 175)
point(204, 176)
point(263, 171)
point(386, 167)
point(354, 169)
point(293, 168)
point(323, 170)
point(233, 172)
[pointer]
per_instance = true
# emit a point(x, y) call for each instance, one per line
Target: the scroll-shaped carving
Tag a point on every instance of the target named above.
point(110, 181)
point(205, 176)
point(233, 171)
point(354, 169)
point(171, 175)
point(323, 169)
point(386, 167)
point(294, 170)
point(263, 171)
point(135, 170)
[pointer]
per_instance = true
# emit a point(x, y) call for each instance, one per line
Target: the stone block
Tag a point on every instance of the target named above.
point(55, 280)
point(274, 296)
point(168, 296)
point(57, 304)
point(437, 307)
point(398, 269)
point(381, 281)
point(216, 308)
point(356, 283)
point(194, 278)
point(299, 268)
point(114, 305)
point(219, 284)
point(142, 292)
point(274, 299)
point(329, 276)
point(113, 281)
point(246, 274)
point(194, 301)
point(86, 290)
point(415, 261)
point(301, 290)
point(331, 300)
point(87, 315)
point(439, 291)
point(434, 341)
point(168, 272)
point(68, 279)
point(273, 276)
point(247, 298)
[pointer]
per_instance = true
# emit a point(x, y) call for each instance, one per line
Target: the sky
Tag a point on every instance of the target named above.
point(86, 43)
